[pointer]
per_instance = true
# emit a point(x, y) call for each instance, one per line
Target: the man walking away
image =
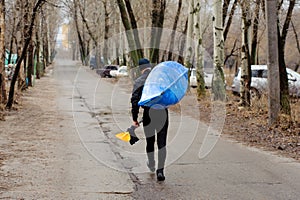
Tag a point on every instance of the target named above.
point(155, 122)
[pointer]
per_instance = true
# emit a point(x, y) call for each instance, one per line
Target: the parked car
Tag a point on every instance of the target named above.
point(105, 71)
point(259, 81)
point(207, 79)
point(120, 72)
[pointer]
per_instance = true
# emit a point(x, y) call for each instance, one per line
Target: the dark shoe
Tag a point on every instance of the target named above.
point(151, 166)
point(160, 175)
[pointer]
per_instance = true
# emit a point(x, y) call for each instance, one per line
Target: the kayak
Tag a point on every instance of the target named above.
point(166, 85)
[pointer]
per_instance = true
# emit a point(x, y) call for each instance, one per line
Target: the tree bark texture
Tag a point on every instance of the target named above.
point(230, 16)
point(134, 27)
point(284, 87)
point(218, 84)
point(3, 95)
point(170, 54)
point(199, 50)
point(82, 48)
point(245, 62)
point(129, 33)
point(189, 37)
point(158, 15)
point(273, 62)
point(253, 54)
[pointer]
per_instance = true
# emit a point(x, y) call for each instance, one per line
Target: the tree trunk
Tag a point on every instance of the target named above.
point(30, 64)
point(12, 36)
point(106, 32)
point(27, 41)
point(158, 15)
point(37, 50)
point(170, 53)
point(245, 62)
point(19, 42)
point(135, 29)
point(129, 33)
point(182, 44)
point(198, 50)
point(284, 87)
point(253, 54)
point(79, 36)
point(273, 63)
point(230, 17)
point(91, 34)
point(44, 36)
point(218, 84)
point(189, 37)
point(3, 95)
point(298, 46)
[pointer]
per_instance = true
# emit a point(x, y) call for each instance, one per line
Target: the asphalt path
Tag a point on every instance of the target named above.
point(108, 168)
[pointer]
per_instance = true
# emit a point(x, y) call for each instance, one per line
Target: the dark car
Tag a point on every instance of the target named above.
point(105, 71)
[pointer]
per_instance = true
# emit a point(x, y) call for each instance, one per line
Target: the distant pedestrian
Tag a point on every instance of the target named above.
point(155, 122)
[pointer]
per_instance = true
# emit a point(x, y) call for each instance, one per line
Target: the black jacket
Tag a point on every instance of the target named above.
point(137, 94)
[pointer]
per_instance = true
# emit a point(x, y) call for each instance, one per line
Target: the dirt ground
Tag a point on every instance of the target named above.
point(23, 137)
point(25, 140)
point(250, 125)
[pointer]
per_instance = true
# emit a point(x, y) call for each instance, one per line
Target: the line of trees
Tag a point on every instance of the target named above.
point(28, 29)
point(230, 32)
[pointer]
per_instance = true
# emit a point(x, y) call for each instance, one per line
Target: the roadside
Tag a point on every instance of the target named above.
point(250, 125)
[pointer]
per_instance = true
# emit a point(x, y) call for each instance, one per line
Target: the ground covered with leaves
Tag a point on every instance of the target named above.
point(250, 125)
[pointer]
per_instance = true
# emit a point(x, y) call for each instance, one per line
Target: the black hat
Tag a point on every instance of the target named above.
point(144, 63)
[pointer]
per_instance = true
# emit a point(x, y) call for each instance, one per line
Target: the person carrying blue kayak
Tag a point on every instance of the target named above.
point(155, 123)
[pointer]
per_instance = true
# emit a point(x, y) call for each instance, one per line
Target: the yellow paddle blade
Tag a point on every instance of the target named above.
point(125, 136)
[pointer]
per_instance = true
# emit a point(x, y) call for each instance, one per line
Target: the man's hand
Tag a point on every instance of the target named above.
point(136, 123)
point(133, 137)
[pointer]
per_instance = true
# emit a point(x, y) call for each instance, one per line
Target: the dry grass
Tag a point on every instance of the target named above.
point(250, 126)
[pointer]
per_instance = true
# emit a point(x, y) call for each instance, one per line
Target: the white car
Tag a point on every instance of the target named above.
point(122, 71)
point(207, 79)
point(259, 81)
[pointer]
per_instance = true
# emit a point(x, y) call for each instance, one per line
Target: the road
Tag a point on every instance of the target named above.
point(99, 166)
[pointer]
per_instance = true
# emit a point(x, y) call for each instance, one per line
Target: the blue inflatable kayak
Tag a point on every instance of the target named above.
point(166, 85)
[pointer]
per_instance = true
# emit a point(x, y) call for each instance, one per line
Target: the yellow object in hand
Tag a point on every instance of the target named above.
point(125, 136)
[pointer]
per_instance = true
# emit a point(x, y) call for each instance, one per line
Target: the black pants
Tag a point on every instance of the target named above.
point(156, 121)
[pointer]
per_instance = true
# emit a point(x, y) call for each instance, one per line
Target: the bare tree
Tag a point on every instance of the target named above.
point(3, 96)
point(199, 50)
point(170, 54)
point(284, 87)
point(158, 15)
point(189, 36)
point(218, 85)
point(273, 62)
point(245, 62)
point(298, 45)
point(229, 15)
point(129, 32)
point(254, 43)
